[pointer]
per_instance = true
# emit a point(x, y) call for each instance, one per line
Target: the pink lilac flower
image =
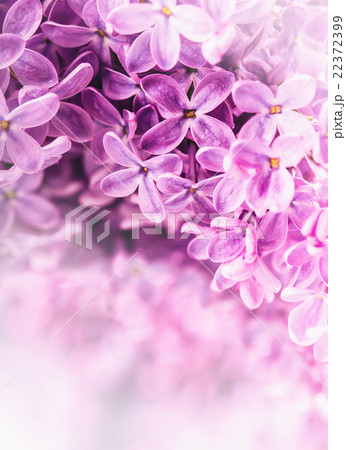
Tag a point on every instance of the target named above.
point(182, 114)
point(140, 174)
point(169, 21)
point(275, 112)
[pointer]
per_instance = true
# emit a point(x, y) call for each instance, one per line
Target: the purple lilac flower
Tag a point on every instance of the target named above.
point(182, 114)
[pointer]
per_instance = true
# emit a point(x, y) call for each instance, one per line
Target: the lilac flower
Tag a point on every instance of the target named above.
point(271, 186)
point(141, 174)
point(23, 150)
point(183, 192)
point(182, 114)
point(275, 112)
point(169, 21)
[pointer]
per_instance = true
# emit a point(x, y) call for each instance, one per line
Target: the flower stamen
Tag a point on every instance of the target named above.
point(4, 124)
point(166, 11)
point(276, 109)
point(274, 162)
point(190, 114)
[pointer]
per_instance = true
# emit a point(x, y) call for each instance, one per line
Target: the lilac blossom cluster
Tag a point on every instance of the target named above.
point(216, 108)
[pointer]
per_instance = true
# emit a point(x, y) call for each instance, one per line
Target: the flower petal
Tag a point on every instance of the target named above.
point(25, 152)
point(212, 90)
point(23, 18)
point(167, 92)
point(99, 108)
point(208, 131)
point(193, 23)
point(35, 112)
point(67, 36)
point(35, 69)
point(75, 82)
point(296, 92)
point(164, 164)
point(238, 269)
point(134, 18)
point(36, 211)
point(229, 194)
point(212, 158)
point(251, 292)
point(71, 120)
point(149, 200)
point(118, 86)
point(165, 44)
point(118, 152)
point(121, 183)
point(273, 230)
point(253, 97)
point(165, 136)
point(226, 246)
point(139, 58)
point(11, 49)
point(172, 184)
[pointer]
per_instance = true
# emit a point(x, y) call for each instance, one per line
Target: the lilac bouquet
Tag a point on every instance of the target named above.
point(201, 127)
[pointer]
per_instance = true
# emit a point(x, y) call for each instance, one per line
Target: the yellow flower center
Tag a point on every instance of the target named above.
point(9, 195)
point(190, 114)
point(4, 124)
point(101, 33)
point(192, 189)
point(145, 169)
point(166, 11)
point(274, 162)
point(276, 109)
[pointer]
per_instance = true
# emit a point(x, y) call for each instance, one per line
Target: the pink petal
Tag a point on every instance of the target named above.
point(193, 23)
point(229, 194)
point(164, 164)
point(253, 96)
point(251, 292)
point(296, 92)
point(165, 44)
point(172, 184)
point(134, 18)
point(238, 269)
point(212, 158)
point(298, 255)
point(267, 279)
point(226, 246)
point(321, 348)
point(260, 127)
point(273, 230)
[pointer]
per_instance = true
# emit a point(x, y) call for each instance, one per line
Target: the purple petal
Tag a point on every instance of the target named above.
point(11, 49)
point(273, 230)
point(121, 183)
point(118, 86)
point(165, 136)
point(296, 92)
point(99, 108)
point(75, 82)
point(292, 122)
point(67, 36)
point(139, 58)
point(164, 164)
point(198, 248)
point(9, 176)
point(73, 121)
point(193, 23)
point(147, 118)
point(3, 106)
point(298, 255)
point(273, 189)
point(172, 184)
point(25, 152)
point(253, 96)
point(212, 158)
point(23, 18)
point(36, 211)
point(220, 283)
point(35, 112)
point(165, 44)
point(134, 18)
point(229, 194)
point(178, 202)
point(35, 69)
point(212, 90)
point(85, 57)
point(4, 77)
point(167, 92)
point(208, 131)
point(149, 200)
point(118, 152)
point(91, 16)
